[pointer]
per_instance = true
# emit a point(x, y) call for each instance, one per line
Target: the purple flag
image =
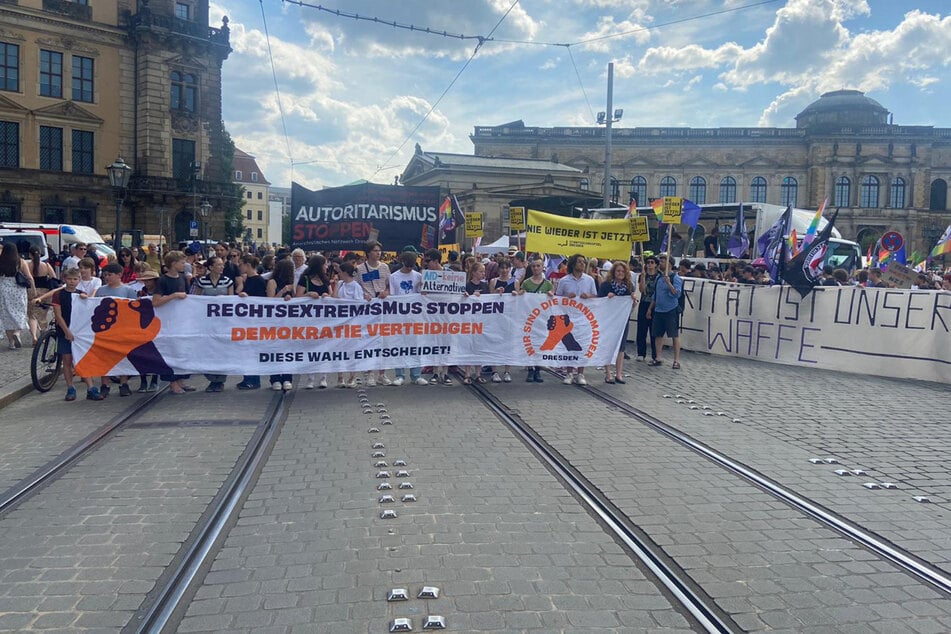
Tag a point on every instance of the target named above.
point(738, 242)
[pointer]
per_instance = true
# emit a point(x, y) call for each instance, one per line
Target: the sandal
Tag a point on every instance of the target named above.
point(654, 363)
point(621, 381)
point(675, 365)
point(608, 379)
point(467, 381)
point(480, 380)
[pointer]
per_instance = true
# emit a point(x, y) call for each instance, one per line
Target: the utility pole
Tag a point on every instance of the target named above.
point(607, 137)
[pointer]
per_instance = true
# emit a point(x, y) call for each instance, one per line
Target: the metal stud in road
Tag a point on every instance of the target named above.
point(888, 485)
point(401, 625)
point(406, 485)
point(373, 430)
point(379, 445)
point(378, 454)
point(830, 461)
point(409, 497)
point(402, 473)
point(924, 499)
point(428, 592)
point(387, 422)
point(386, 499)
point(433, 622)
point(380, 464)
point(399, 462)
point(858, 472)
point(871, 485)
point(398, 594)
point(843, 472)
point(384, 486)
point(388, 514)
point(382, 474)
point(815, 460)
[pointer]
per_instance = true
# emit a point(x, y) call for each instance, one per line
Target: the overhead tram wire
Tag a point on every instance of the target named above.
point(482, 40)
point(580, 83)
point(277, 90)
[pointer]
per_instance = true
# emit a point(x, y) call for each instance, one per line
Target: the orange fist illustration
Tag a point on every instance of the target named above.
point(120, 327)
point(559, 330)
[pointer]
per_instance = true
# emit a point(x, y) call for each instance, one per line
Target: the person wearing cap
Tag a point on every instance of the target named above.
point(665, 310)
point(374, 276)
point(646, 283)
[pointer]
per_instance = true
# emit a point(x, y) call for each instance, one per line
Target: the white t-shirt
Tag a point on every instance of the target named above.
point(72, 262)
point(373, 280)
point(89, 286)
point(569, 284)
point(350, 290)
point(405, 283)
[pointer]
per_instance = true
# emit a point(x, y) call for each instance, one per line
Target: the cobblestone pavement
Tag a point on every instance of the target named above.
point(508, 547)
point(15, 364)
point(82, 554)
point(766, 564)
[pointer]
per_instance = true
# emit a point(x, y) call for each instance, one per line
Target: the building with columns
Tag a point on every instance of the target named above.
point(845, 147)
point(82, 83)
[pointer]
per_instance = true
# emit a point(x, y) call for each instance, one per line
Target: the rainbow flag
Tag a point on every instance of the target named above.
point(814, 225)
point(658, 205)
point(631, 210)
point(793, 244)
point(944, 244)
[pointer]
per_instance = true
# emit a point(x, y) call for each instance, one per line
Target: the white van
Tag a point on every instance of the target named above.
point(59, 235)
point(25, 239)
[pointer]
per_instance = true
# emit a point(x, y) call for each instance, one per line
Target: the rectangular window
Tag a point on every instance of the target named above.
point(9, 67)
point(9, 213)
point(82, 217)
point(260, 215)
point(51, 74)
point(9, 144)
point(249, 214)
point(51, 148)
point(249, 195)
point(82, 152)
point(82, 78)
point(237, 175)
point(260, 196)
point(254, 177)
point(260, 233)
point(182, 11)
point(54, 215)
point(183, 158)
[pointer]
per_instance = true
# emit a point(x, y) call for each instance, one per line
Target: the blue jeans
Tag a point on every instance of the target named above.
point(413, 373)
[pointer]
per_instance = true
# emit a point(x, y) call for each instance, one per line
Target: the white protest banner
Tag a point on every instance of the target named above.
point(233, 335)
point(878, 331)
point(443, 282)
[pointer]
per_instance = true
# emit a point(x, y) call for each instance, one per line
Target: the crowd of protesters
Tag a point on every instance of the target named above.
point(28, 287)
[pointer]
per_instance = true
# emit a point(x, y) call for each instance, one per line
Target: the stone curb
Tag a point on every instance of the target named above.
point(14, 390)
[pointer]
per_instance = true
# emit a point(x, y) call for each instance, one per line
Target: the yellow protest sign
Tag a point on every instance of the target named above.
point(639, 232)
point(446, 248)
point(673, 209)
point(547, 233)
point(473, 224)
point(517, 218)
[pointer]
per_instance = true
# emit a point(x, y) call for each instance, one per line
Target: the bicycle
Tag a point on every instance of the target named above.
point(46, 364)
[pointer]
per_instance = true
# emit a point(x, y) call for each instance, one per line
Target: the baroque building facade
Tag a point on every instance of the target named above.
point(82, 83)
point(256, 208)
point(845, 147)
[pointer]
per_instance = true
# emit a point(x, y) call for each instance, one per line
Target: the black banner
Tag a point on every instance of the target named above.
point(344, 218)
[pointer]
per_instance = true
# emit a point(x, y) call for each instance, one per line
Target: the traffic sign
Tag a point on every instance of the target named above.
point(892, 241)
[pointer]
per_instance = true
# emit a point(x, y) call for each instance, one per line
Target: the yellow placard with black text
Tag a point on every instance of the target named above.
point(548, 233)
point(673, 209)
point(446, 248)
point(473, 224)
point(639, 232)
point(517, 218)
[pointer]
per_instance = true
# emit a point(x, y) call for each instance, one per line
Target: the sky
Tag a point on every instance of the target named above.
point(355, 96)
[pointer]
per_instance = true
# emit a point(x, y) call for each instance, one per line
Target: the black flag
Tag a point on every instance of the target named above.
point(804, 271)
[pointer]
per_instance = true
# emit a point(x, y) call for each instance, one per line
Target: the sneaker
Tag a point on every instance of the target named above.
point(288, 386)
point(352, 383)
point(247, 386)
point(371, 380)
point(70, 393)
point(496, 378)
point(211, 388)
point(434, 380)
point(341, 384)
point(447, 380)
point(153, 386)
point(639, 359)
point(580, 380)
point(384, 380)
point(323, 383)
point(276, 386)
point(421, 381)
point(93, 394)
point(125, 390)
point(398, 381)
point(104, 391)
point(310, 384)
point(506, 378)
point(567, 380)
point(143, 388)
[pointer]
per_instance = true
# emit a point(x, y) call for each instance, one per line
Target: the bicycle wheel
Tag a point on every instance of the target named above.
point(46, 363)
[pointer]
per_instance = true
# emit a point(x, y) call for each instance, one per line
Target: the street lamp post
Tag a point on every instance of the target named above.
point(606, 118)
point(205, 209)
point(119, 174)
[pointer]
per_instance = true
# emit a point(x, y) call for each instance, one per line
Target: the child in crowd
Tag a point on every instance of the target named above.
point(62, 309)
point(349, 288)
point(406, 281)
point(315, 283)
point(113, 287)
point(250, 284)
point(475, 286)
point(88, 282)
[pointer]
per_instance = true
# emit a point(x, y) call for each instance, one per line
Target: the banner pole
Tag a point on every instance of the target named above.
point(670, 234)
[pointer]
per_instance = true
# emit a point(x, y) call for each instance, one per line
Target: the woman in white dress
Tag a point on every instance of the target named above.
point(13, 297)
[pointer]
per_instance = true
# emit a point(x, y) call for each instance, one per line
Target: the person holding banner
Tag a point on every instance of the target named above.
point(432, 261)
point(580, 285)
point(315, 283)
point(475, 286)
point(665, 309)
point(281, 285)
point(173, 286)
point(618, 284)
point(536, 282)
point(406, 281)
point(252, 285)
point(374, 276)
point(646, 283)
point(349, 288)
point(502, 284)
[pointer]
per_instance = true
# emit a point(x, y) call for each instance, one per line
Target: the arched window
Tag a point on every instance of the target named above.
point(897, 195)
point(184, 91)
point(789, 191)
point(869, 195)
point(668, 186)
point(843, 192)
point(639, 189)
point(727, 190)
point(585, 184)
point(758, 190)
point(939, 195)
point(698, 190)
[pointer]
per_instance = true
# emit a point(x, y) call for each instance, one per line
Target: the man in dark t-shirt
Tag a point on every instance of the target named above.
point(253, 286)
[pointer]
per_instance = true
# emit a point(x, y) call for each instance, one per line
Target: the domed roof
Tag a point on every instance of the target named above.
point(844, 107)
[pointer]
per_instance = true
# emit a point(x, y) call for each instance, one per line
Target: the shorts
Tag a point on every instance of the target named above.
point(667, 324)
point(64, 345)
